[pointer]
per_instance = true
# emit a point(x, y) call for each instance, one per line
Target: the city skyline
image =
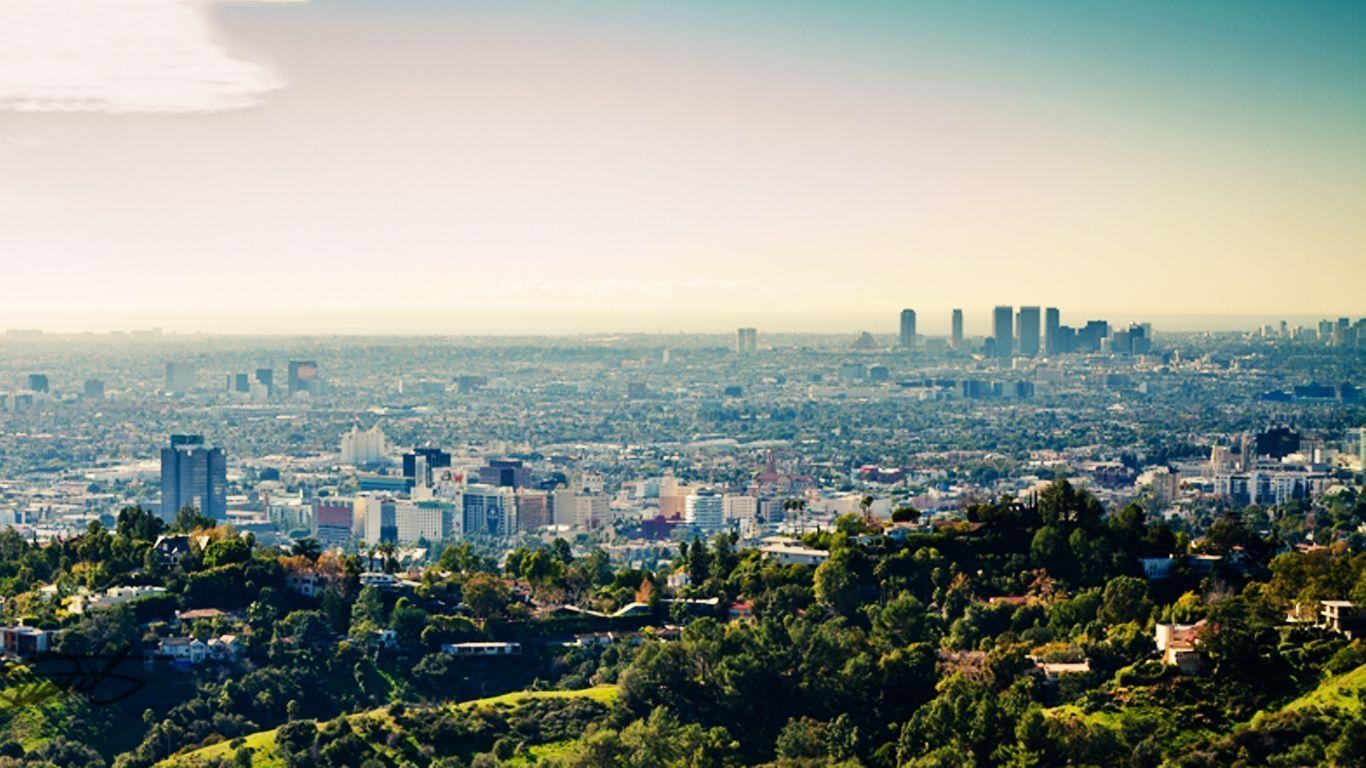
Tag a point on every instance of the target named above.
point(680, 158)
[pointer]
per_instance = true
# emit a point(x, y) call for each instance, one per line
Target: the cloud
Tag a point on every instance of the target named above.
point(120, 56)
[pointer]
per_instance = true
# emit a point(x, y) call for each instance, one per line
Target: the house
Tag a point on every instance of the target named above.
point(591, 639)
point(183, 650)
point(86, 601)
point(482, 650)
point(1053, 670)
point(1343, 617)
point(224, 648)
point(383, 639)
point(1157, 568)
point(1177, 644)
point(172, 549)
point(25, 642)
point(794, 554)
point(741, 610)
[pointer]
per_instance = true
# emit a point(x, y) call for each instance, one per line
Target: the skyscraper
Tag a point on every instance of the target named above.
point(1002, 331)
point(1052, 322)
point(907, 329)
point(180, 377)
point(956, 337)
point(706, 510)
point(746, 340)
point(305, 376)
point(1027, 326)
point(193, 476)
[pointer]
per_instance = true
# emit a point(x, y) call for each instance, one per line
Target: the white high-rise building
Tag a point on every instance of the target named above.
point(706, 510)
point(359, 448)
point(430, 520)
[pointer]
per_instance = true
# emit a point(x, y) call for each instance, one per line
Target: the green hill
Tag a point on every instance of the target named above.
point(262, 743)
point(1344, 692)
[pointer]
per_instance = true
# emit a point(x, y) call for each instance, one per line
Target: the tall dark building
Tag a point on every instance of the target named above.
point(1090, 336)
point(266, 378)
point(193, 476)
point(1052, 322)
point(956, 334)
point(1003, 331)
point(907, 340)
point(436, 458)
point(509, 473)
point(305, 376)
point(38, 382)
point(94, 389)
point(1027, 330)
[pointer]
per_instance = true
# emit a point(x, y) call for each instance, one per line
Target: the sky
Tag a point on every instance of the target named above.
point(677, 163)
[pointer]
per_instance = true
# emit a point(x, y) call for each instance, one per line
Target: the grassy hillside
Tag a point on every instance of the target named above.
point(1344, 692)
point(262, 743)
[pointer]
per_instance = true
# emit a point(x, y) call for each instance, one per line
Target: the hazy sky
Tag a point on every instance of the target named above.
point(672, 157)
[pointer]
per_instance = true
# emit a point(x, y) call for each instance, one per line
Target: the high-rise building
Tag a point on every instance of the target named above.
point(746, 340)
point(435, 459)
point(1027, 328)
point(380, 514)
point(1002, 331)
point(332, 524)
point(489, 511)
point(180, 377)
point(305, 376)
point(193, 476)
point(533, 509)
point(38, 382)
point(360, 448)
point(1361, 448)
point(907, 339)
point(1052, 335)
point(266, 378)
point(94, 389)
point(956, 333)
point(239, 383)
point(509, 473)
point(706, 510)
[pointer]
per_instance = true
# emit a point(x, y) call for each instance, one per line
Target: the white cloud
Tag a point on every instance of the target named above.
point(120, 56)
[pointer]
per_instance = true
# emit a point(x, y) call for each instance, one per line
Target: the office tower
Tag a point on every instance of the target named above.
point(423, 520)
point(1052, 323)
point(239, 383)
point(1361, 448)
point(956, 337)
point(746, 340)
point(533, 509)
point(1002, 331)
point(581, 509)
point(1027, 326)
point(1091, 335)
point(193, 476)
point(180, 377)
point(304, 376)
point(1140, 338)
point(38, 382)
point(489, 511)
point(332, 524)
point(381, 519)
point(360, 448)
point(907, 340)
point(94, 389)
point(435, 458)
point(508, 473)
point(706, 510)
point(266, 378)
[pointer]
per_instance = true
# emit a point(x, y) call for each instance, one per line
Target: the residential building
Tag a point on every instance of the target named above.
point(193, 476)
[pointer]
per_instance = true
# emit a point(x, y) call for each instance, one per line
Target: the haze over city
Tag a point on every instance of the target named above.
point(684, 158)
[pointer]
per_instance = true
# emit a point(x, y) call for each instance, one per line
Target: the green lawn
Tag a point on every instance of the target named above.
point(263, 743)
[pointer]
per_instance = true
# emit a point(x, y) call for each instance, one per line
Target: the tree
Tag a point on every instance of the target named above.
point(189, 519)
point(905, 514)
point(308, 548)
point(486, 595)
point(367, 613)
point(138, 524)
point(837, 584)
point(1125, 598)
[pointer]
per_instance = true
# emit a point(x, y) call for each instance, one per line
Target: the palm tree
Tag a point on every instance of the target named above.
point(866, 504)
